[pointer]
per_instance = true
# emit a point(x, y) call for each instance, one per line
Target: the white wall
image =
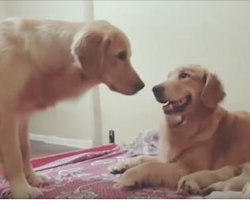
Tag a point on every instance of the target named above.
point(73, 120)
point(2, 9)
point(165, 34)
point(61, 10)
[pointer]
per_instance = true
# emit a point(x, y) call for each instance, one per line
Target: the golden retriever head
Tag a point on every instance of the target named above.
point(189, 88)
point(104, 54)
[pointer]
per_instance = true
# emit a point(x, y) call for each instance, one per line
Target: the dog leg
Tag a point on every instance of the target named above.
point(129, 163)
point(12, 158)
point(153, 174)
point(225, 195)
point(234, 184)
point(246, 190)
point(32, 177)
point(195, 182)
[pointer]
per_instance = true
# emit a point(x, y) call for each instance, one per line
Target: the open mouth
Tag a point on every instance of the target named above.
point(173, 107)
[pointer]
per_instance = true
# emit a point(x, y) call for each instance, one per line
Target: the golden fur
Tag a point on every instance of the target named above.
point(236, 187)
point(204, 136)
point(43, 62)
point(236, 183)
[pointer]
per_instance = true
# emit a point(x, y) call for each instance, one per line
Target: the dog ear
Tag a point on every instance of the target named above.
point(89, 47)
point(213, 91)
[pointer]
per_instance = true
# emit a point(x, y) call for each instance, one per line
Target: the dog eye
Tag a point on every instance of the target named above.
point(122, 55)
point(184, 75)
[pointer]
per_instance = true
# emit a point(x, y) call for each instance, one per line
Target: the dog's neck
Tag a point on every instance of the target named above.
point(71, 83)
point(47, 90)
point(182, 132)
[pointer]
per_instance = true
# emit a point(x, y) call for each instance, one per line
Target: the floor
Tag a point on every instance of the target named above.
point(40, 149)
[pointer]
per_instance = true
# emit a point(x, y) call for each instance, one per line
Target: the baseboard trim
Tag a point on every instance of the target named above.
point(84, 144)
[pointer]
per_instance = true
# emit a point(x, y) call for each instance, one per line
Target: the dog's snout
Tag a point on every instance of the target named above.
point(158, 91)
point(139, 86)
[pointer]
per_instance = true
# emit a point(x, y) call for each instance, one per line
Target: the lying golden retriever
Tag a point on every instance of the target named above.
point(197, 134)
point(44, 62)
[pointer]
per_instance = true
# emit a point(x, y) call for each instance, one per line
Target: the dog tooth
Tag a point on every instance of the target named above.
point(167, 104)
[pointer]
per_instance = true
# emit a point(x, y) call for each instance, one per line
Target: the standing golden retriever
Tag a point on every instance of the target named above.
point(44, 62)
point(197, 134)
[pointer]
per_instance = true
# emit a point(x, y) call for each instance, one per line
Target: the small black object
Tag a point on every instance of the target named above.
point(111, 136)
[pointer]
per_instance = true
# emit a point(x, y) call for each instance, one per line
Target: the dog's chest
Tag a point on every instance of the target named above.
point(37, 95)
point(46, 90)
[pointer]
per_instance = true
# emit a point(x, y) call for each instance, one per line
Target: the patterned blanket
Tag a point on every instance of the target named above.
point(146, 143)
point(83, 174)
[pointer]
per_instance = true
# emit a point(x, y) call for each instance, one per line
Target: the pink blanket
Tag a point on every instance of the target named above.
point(83, 175)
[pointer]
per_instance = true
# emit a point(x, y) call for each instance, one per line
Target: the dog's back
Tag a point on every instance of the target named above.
point(40, 42)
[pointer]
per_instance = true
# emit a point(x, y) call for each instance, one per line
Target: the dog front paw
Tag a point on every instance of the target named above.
point(37, 179)
point(132, 178)
point(187, 185)
point(27, 192)
point(118, 168)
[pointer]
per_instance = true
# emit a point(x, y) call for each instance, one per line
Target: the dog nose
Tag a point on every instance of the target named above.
point(158, 90)
point(139, 86)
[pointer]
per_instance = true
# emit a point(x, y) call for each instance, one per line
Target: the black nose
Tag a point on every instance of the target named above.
point(158, 91)
point(140, 86)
